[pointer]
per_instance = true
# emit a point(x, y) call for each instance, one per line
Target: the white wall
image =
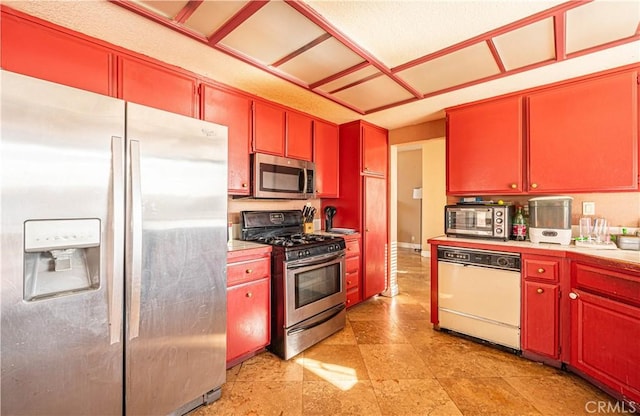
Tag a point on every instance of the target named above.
point(434, 196)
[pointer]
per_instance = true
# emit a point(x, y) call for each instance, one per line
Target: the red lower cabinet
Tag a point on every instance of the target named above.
point(605, 328)
point(247, 320)
point(352, 269)
point(248, 303)
point(540, 319)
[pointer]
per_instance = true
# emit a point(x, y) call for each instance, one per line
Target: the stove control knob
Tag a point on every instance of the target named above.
point(300, 253)
point(307, 252)
point(330, 248)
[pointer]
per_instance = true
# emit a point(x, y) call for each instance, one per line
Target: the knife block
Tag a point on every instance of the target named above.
point(308, 228)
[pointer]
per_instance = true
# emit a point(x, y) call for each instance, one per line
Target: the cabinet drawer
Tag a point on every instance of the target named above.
point(352, 279)
point(614, 285)
point(353, 297)
point(541, 269)
point(248, 270)
point(352, 264)
point(353, 248)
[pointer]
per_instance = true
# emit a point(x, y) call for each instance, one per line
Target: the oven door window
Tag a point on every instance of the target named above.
point(472, 219)
point(274, 178)
point(316, 284)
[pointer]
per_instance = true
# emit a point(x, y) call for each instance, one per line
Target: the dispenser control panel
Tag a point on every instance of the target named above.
point(45, 235)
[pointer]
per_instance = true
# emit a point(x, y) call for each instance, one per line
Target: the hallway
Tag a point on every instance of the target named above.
point(389, 361)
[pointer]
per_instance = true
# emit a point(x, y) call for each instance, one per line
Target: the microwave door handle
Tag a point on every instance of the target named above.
point(304, 187)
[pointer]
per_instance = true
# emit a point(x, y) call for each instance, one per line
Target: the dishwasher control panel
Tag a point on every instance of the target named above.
point(482, 258)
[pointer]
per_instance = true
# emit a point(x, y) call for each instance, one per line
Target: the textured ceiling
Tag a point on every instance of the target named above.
point(394, 63)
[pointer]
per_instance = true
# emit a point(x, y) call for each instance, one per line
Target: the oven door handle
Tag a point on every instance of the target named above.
point(336, 310)
point(299, 264)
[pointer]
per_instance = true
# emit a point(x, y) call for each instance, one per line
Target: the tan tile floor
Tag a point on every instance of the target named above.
point(389, 361)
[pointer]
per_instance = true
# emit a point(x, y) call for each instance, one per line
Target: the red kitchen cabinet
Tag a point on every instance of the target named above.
point(583, 137)
point(540, 318)
point(42, 52)
point(248, 303)
point(156, 86)
point(374, 150)
point(234, 111)
point(299, 136)
point(352, 269)
point(485, 148)
point(375, 236)
point(268, 128)
point(326, 153)
point(362, 205)
point(605, 327)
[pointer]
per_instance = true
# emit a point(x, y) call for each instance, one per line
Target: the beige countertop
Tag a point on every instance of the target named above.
point(235, 245)
point(626, 256)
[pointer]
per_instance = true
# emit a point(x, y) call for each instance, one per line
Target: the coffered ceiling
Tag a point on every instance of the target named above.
point(371, 56)
point(391, 62)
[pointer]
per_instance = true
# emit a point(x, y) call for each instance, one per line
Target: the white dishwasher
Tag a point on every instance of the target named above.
point(479, 294)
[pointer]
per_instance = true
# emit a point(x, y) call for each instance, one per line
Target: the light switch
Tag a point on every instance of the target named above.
point(588, 208)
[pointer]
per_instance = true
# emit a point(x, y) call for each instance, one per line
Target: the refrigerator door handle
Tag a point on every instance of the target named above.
point(135, 239)
point(115, 276)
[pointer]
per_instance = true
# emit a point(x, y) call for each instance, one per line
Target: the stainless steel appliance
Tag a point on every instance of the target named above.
point(492, 221)
point(281, 177)
point(113, 255)
point(550, 219)
point(308, 279)
point(479, 294)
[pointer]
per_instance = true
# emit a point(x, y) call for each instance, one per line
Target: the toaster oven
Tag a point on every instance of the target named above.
point(478, 221)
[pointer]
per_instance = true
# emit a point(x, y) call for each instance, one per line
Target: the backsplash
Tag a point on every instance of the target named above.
point(621, 209)
point(234, 207)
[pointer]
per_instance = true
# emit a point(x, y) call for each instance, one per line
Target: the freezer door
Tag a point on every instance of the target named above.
point(176, 260)
point(61, 329)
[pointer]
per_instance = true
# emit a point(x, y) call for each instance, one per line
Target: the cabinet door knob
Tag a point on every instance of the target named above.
point(249, 294)
point(366, 230)
point(534, 185)
point(540, 290)
point(348, 282)
point(248, 271)
point(573, 295)
point(540, 270)
point(244, 185)
point(514, 186)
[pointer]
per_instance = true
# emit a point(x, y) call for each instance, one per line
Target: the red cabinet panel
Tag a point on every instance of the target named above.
point(156, 86)
point(485, 148)
point(540, 330)
point(248, 319)
point(604, 336)
point(583, 137)
point(268, 128)
point(326, 144)
point(234, 111)
point(38, 51)
point(299, 136)
point(374, 150)
point(375, 236)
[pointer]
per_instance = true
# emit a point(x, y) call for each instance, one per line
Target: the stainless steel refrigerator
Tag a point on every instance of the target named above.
point(113, 255)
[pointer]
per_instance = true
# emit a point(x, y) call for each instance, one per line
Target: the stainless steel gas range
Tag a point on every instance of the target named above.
point(308, 291)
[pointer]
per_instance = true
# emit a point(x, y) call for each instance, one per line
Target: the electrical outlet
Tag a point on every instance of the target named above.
point(588, 208)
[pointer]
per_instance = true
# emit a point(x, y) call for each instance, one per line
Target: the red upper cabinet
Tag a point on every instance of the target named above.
point(38, 51)
point(156, 86)
point(583, 137)
point(326, 153)
point(299, 136)
point(234, 111)
point(485, 148)
point(374, 150)
point(268, 128)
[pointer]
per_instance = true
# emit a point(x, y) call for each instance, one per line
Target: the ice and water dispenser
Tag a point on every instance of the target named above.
point(60, 257)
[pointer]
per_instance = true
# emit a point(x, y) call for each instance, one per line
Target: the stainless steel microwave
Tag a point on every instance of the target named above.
point(282, 178)
point(478, 221)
